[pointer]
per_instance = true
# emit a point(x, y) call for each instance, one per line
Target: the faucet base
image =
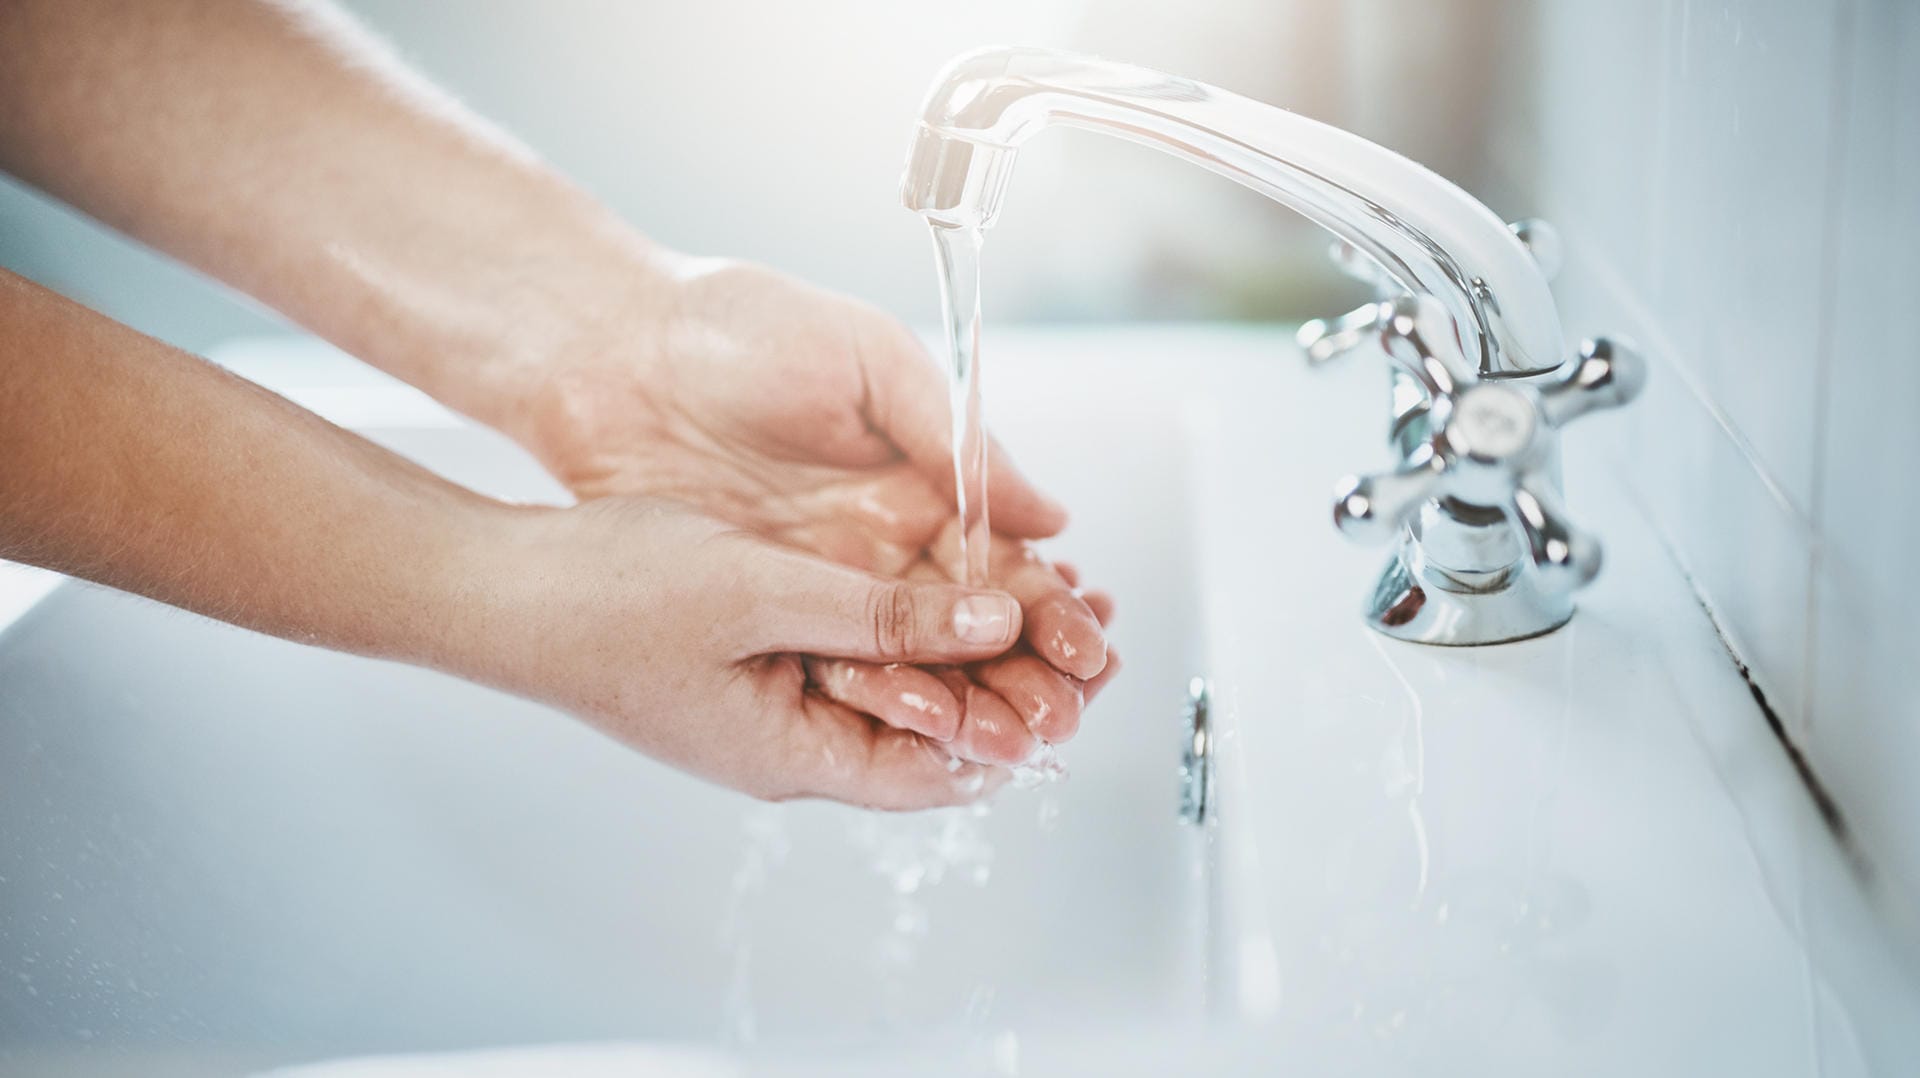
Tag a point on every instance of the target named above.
point(1423, 604)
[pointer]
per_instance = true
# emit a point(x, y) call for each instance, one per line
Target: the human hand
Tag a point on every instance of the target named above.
point(995, 711)
point(683, 637)
point(815, 420)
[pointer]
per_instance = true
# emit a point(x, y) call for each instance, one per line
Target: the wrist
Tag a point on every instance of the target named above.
point(484, 592)
point(536, 596)
point(579, 346)
point(484, 317)
point(556, 318)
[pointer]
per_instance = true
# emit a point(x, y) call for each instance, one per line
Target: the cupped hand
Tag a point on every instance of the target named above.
point(682, 636)
point(996, 711)
point(809, 418)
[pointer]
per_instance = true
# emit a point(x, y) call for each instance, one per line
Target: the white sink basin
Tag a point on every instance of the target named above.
point(218, 838)
point(1583, 853)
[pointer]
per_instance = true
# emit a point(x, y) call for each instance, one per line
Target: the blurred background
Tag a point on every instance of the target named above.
point(775, 131)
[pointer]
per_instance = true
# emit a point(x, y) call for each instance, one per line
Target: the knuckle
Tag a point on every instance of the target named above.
point(891, 612)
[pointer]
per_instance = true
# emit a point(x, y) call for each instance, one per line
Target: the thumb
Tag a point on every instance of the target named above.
point(907, 402)
point(817, 607)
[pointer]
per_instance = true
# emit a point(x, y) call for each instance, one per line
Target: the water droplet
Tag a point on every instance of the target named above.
point(1048, 816)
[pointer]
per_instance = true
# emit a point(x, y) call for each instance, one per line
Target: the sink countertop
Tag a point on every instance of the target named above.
point(1581, 853)
point(1585, 852)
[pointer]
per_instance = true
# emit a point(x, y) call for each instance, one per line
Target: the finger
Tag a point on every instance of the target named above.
point(1104, 678)
point(991, 731)
point(859, 761)
point(1060, 626)
point(907, 403)
point(1068, 572)
point(1019, 507)
point(903, 696)
point(812, 606)
point(1046, 700)
point(1102, 606)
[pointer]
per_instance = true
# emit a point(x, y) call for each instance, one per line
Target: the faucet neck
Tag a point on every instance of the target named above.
point(1424, 232)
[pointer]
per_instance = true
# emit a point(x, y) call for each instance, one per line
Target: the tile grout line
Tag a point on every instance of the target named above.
point(1609, 278)
point(1839, 107)
point(1839, 111)
point(1824, 804)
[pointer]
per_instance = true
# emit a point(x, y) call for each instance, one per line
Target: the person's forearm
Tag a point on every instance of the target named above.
point(129, 463)
point(276, 146)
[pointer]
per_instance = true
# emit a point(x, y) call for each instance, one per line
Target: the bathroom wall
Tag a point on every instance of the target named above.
point(754, 128)
point(773, 130)
point(1738, 185)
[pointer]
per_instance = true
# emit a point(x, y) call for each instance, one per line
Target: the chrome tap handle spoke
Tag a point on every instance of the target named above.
point(1373, 508)
point(1357, 264)
point(1606, 374)
point(1564, 556)
point(1542, 241)
point(1325, 339)
point(1417, 332)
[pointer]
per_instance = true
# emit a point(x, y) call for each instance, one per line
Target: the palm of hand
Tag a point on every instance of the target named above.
point(764, 425)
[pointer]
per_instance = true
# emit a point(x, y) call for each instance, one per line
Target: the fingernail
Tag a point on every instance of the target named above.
point(983, 619)
point(1082, 654)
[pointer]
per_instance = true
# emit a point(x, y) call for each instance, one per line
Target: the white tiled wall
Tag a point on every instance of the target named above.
point(1863, 710)
point(1738, 184)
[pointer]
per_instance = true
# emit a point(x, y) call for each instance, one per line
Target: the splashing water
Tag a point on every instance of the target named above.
point(911, 855)
point(1042, 767)
point(957, 260)
point(766, 849)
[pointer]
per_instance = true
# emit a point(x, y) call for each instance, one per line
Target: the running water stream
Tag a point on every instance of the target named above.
point(956, 252)
point(957, 259)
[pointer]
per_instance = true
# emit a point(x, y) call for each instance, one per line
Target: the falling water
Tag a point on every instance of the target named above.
point(957, 260)
point(912, 855)
point(765, 850)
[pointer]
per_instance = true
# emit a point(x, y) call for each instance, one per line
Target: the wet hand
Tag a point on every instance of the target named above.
point(809, 418)
point(999, 710)
point(683, 637)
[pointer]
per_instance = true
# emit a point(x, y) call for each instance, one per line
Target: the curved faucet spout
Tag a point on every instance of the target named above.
point(1427, 234)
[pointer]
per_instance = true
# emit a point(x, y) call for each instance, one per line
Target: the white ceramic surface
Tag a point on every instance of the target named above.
point(1864, 711)
point(212, 837)
point(1580, 854)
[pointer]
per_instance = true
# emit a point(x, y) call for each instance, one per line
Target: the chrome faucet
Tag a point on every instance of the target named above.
point(1482, 382)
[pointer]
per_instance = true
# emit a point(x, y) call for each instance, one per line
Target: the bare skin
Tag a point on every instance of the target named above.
point(751, 588)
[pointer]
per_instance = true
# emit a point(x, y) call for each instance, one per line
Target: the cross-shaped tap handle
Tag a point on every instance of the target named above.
point(1490, 441)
